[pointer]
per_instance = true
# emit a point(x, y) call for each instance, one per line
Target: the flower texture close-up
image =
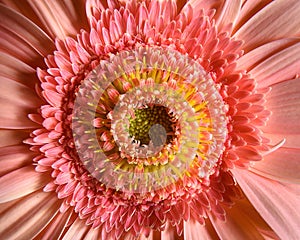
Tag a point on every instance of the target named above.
point(145, 119)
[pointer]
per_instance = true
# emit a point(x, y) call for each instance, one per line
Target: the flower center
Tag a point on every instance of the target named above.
point(152, 123)
point(150, 117)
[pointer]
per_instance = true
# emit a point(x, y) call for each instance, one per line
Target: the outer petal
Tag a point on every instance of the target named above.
point(10, 137)
point(258, 55)
point(282, 165)
point(14, 157)
point(284, 102)
point(77, 230)
point(58, 18)
point(28, 217)
point(281, 66)
point(277, 20)
point(21, 182)
point(23, 28)
point(275, 203)
point(193, 230)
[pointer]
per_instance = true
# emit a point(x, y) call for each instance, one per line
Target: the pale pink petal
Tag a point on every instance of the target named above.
point(206, 4)
point(277, 20)
point(21, 182)
point(29, 216)
point(61, 18)
point(5, 206)
point(193, 229)
point(282, 165)
point(170, 233)
point(23, 28)
point(281, 66)
point(275, 203)
point(14, 157)
point(249, 9)
point(258, 55)
point(284, 101)
point(228, 14)
point(77, 230)
point(291, 140)
point(17, 70)
point(93, 234)
point(12, 137)
point(56, 227)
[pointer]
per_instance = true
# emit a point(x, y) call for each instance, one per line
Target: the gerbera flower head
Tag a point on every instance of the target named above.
point(149, 118)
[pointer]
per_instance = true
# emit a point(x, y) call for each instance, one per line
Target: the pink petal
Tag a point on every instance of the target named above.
point(291, 140)
point(282, 165)
point(275, 203)
point(56, 227)
point(284, 101)
point(193, 229)
point(15, 69)
point(77, 230)
point(258, 55)
point(277, 20)
point(242, 222)
point(14, 157)
point(29, 216)
point(23, 28)
point(281, 66)
point(21, 182)
point(61, 18)
point(12, 137)
point(93, 234)
point(229, 13)
point(249, 9)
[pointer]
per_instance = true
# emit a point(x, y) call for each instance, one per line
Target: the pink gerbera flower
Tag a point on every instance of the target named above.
point(155, 119)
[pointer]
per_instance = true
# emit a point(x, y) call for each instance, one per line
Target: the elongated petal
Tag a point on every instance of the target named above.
point(77, 230)
point(275, 203)
point(258, 55)
point(291, 140)
point(12, 137)
point(26, 30)
point(21, 182)
point(229, 13)
point(12, 68)
point(284, 102)
point(29, 216)
point(14, 157)
point(193, 229)
point(61, 18)
point(55, 228)
point(277, 20)
point(282, 165)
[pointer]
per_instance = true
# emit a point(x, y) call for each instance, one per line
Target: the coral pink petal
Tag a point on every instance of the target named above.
point(282, 165)
point(258, 55)
point(14, 157)
point(77, 230)
point(228, 14)
point(284, 102)
point(21, 182)
point(61, 18)
point(291, 140)
point(93, 234)
point(10, 137)
point(193, 229)
point(23, 28)
point(197, 5)
point(29, 216)
point(15, 107)
point(56, 227)
point(281, 66)
point(249, 9)
point(278, 205)
point(17, 70)
point(277, 20)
